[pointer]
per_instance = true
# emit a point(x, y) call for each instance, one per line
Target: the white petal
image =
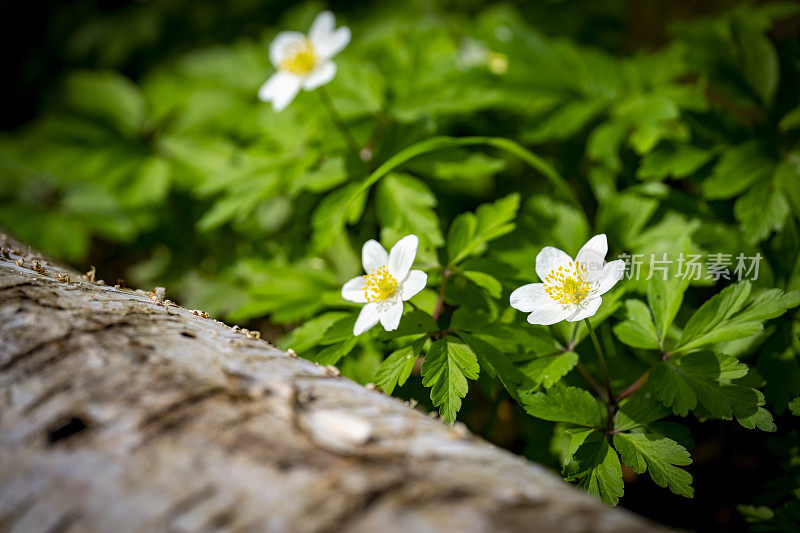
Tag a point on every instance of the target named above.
point(373, 256)
point(390, 317)
point(544, 316)
point(550, 258)
point(280, 89)
point(328, 45)
point(414, 283)
point(322, 25)
point(589, 308)
point(367, 318)
point(543, 310)
point(402, 255)
point(529, 297)
point(592, 257)
point(320, 76)
point(353, 290)
point(282, 41)
point(612, 273)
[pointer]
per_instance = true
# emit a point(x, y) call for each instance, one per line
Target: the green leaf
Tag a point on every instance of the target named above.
point(331, 354)
point(151, 184)
point(597, 465)
point(328, 175)
point(312, 332)
point(564, 404)
point(439, 143)
point(469, 233)
point(461, 234)
point(109, 97)
point(548, 370)
point(737, 169)
point(761, 211)
point(577, 436)
point(673, 161)
point(672, 389)
point(446, 369)
point(334, 213)
point(665, 297)
point(695, 379)
point(638, 330)
point(395, 369)
point(794, 406)
point(713, 313)
point(566, 121)
point(498, 364)
point(406, 204)
point(484, 281)
point(661, 456)
point(638, 411)
point(790, 120)
point(717, 320)
point(759, 59)
point(746, 404)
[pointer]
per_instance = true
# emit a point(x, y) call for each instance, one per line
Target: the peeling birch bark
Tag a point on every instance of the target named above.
point(119, 412)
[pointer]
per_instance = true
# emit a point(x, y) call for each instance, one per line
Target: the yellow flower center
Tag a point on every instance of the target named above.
point(300, 58)
point(567, 286)
point(379, 285)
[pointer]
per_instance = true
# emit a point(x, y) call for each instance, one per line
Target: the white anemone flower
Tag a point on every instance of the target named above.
point(388, 283)
point(570, 290)
point(303, 61)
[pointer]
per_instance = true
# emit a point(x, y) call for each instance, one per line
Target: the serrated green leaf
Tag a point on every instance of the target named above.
point(677, 162)
point(660, 456)
point(331, 354)
point(715, 311)
point(446, 369)
point(597, 465)
point(577, 436)
point(548, 370)
point(746, 404)
point(737, 169)
point(638, 330)
point(484, 281)
point(664, 296)
point(717, 320)
point(564, 404)
point(695, 379)
point(406, 204)
point(469, 233)
point(761, 211)
point(496, 363)
point(638, 411)
point(312, 332)
point(395, 369)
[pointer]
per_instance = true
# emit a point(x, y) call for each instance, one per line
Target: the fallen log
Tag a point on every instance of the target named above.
point(121, 411)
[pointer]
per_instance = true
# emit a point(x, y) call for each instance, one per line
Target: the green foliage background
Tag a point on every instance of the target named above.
point(492, 131)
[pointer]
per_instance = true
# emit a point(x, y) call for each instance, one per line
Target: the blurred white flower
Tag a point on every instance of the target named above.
point(303, 61)
point(388, 283)
point(473, 53)
point(571, 290)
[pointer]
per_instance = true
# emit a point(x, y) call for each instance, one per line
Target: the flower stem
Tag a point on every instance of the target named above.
point(636, 385)
point(601, 358)
point(437, 310)
point(591, 381)
point(641, 380)
point(337, 120)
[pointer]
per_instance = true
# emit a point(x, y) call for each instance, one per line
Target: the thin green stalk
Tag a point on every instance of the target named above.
point(337, 120)
point(601, 358)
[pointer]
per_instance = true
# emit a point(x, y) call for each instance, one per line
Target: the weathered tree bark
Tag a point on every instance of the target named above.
point(120, 412)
